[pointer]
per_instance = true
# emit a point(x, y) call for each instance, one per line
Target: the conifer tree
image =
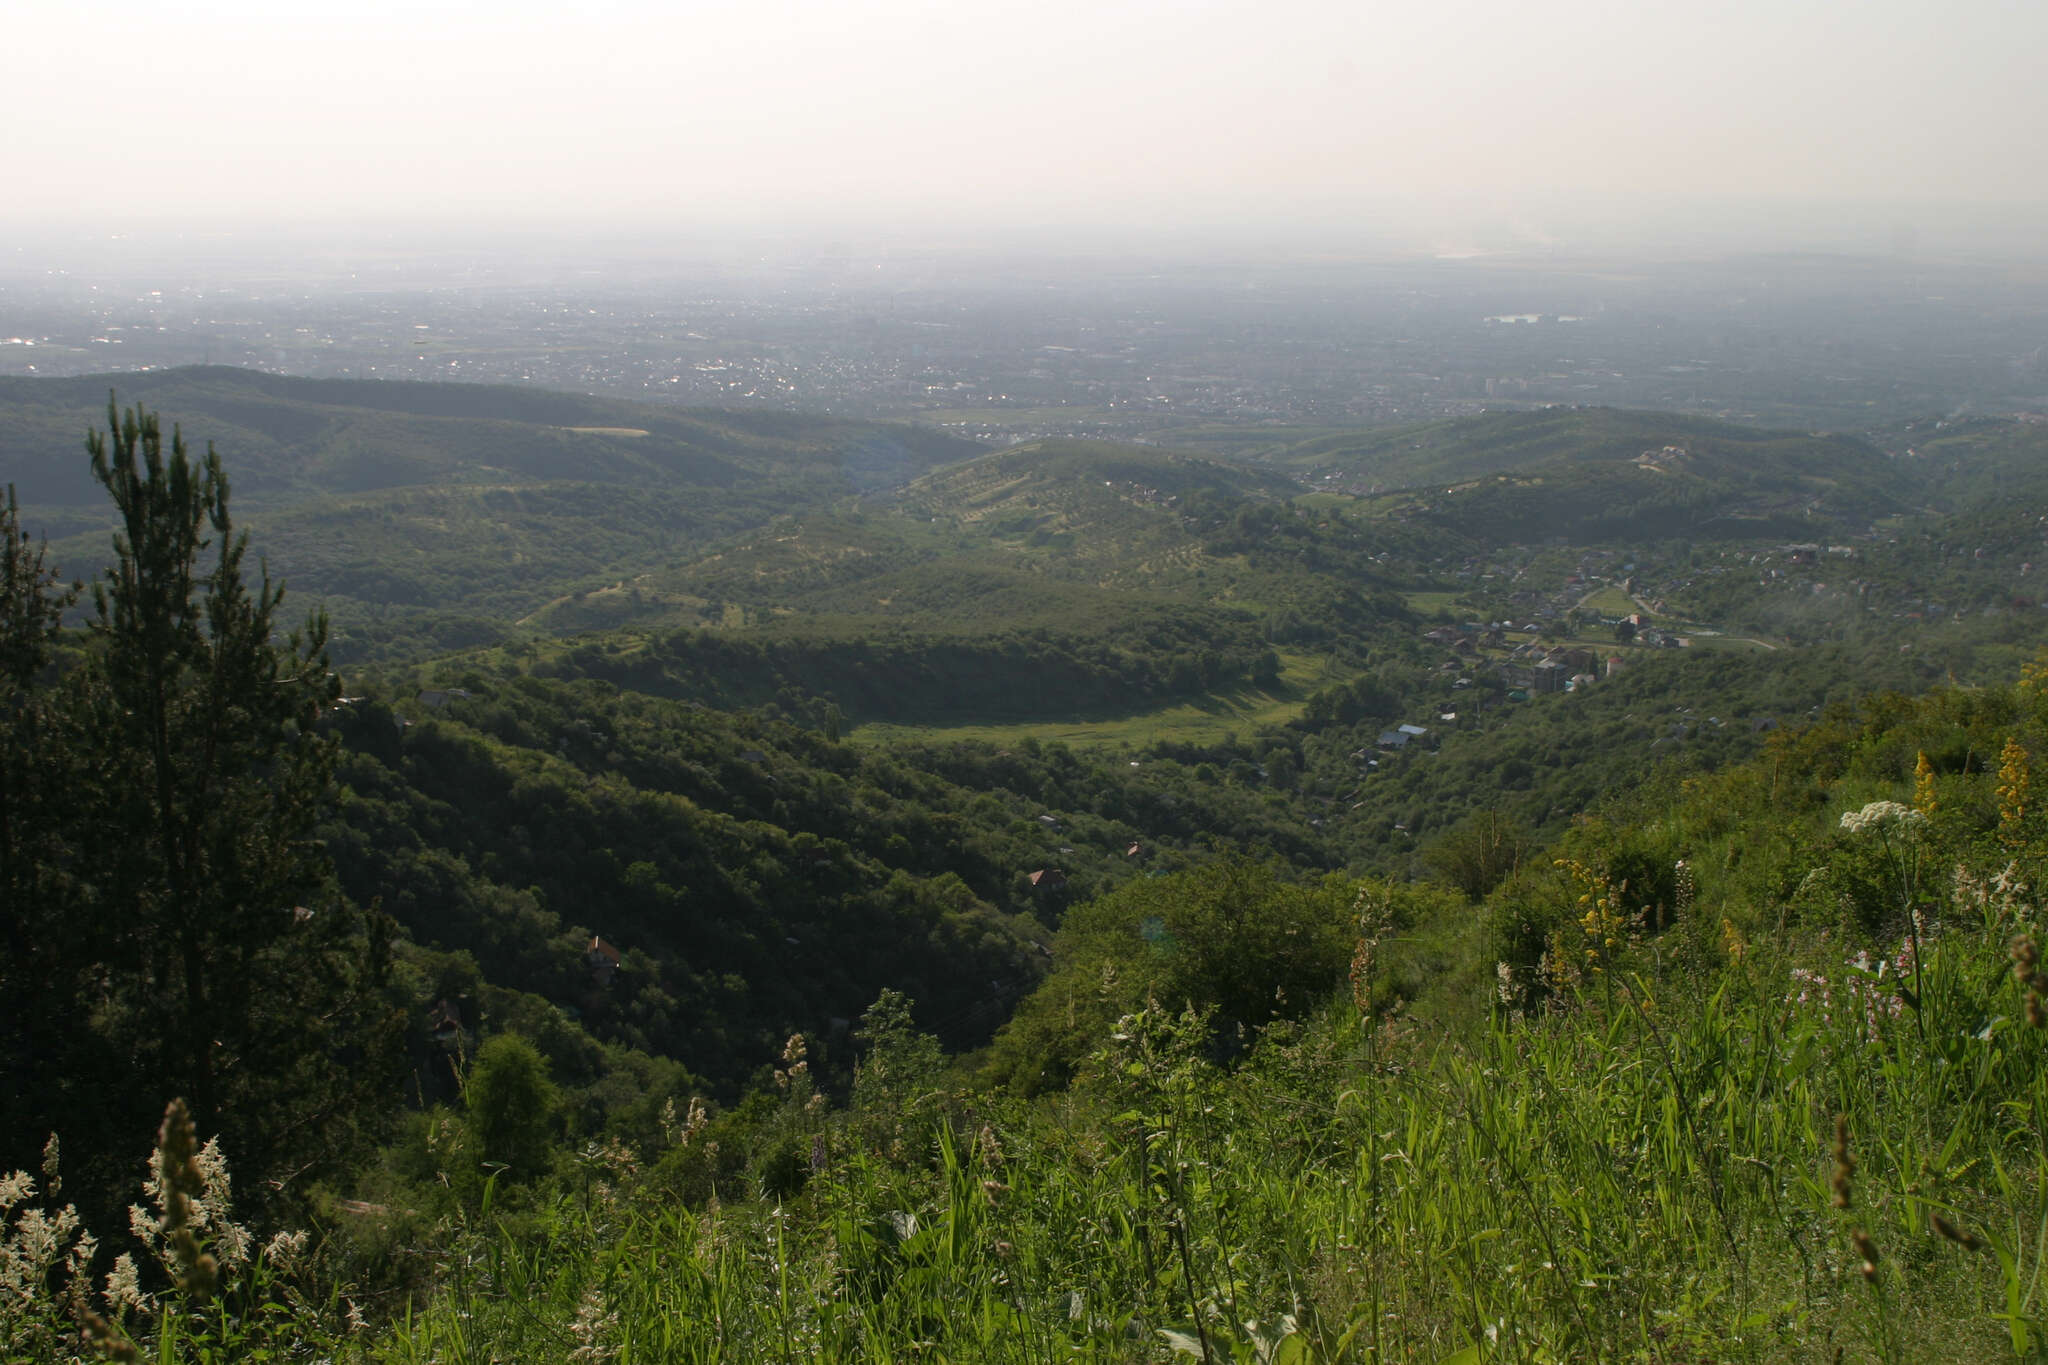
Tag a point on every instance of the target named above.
point(213, 892)
point(37, 795)
point(203, 951)
point(31, 606)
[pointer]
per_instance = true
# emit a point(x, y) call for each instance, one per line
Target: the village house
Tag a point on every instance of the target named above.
point(603, 961)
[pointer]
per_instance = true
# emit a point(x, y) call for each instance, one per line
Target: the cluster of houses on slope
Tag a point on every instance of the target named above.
point(1530, 666)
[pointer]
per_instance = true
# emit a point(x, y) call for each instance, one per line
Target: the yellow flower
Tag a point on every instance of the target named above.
point(1731, 940)
point(1923, 786)
point(2015, 776)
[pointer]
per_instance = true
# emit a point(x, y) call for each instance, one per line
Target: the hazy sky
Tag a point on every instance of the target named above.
point(1510, 113)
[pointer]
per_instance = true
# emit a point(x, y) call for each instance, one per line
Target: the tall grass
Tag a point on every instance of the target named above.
point(1642, 1174)
point(1771, 1161)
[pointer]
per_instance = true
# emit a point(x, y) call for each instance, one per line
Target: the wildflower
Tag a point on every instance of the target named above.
point(2026, 961)
point(285, 1250)
point(2034, 675)
point(102, 1336)
point(189, 1185)
point(694, 1123)
point(1867, 1249)
point(1732, 941)
point(1924, 799)
point(40, 1236)
point(1845, 1166)
point(794, 1067)
point(1504, 984)
point(1361, 975)
point(1375, 917)
point(2014, 779)
point(2005, 895)
point(1881, 816)
point(124, 1286)
point(1559, 972)
point(592, 1325)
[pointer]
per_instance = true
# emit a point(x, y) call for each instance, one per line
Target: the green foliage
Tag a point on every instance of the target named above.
point(1641, 1168)
point(431, 512)
point(1479, 852)
point(1587, 1118)
point(897, 1082)
point(1714, 1125)
point(186, 941)
point(1236, 940)
point(39, 803)
point(509, 1105)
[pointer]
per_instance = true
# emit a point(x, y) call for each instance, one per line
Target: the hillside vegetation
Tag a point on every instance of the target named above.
point(446, 511)
point(685, 947)
point(1750, 1068)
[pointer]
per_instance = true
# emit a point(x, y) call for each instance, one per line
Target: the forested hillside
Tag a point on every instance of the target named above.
point(1598, 473)
point(742, 906)
point(432, 516)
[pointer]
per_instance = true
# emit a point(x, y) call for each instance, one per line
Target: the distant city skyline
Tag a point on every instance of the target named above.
point(1891, 126)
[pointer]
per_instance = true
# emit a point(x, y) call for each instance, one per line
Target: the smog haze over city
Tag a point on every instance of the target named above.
point(1057, 218)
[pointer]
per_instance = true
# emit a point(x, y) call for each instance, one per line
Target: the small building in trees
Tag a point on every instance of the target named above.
point(603, 961)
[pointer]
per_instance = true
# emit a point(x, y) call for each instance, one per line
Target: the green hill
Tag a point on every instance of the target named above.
point(292, 438)
point(1593, 473)
point(430, 503)
point(1076, 575)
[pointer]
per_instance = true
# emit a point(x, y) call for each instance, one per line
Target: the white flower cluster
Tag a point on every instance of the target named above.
point(228, 1241)
point(38, 1250)
point(1881, 815)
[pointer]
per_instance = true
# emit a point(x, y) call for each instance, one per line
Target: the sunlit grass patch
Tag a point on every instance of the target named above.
point(1611, 601)
point(1215, 716)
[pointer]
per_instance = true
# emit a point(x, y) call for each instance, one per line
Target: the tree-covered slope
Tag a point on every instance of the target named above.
point(454, 509)
point(295, 437)
point(1594, 473)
